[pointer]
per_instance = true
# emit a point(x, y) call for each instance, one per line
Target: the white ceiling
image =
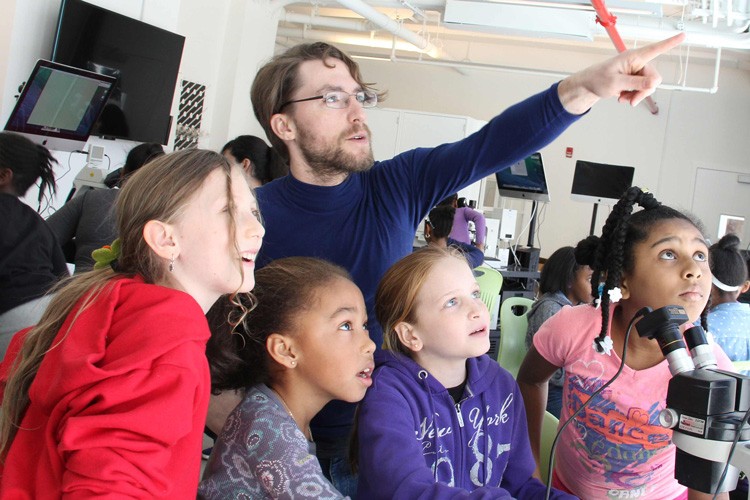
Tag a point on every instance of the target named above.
point(464, 34)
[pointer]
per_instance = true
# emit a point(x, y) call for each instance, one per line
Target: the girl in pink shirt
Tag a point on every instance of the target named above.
point(616, 448)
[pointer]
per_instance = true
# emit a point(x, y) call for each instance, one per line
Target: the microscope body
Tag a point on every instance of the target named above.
point(705, 405)
point(704, 408)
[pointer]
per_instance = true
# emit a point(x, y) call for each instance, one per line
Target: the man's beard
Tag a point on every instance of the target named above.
point(331, 160)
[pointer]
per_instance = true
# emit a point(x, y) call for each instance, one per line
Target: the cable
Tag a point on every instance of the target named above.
point(736, 440)
point(637, 315)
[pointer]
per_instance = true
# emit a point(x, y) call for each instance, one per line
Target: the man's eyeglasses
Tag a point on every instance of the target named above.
point(338, 99)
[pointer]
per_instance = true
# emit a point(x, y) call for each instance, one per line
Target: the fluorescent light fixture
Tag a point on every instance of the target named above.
point(523, 20)
point(613, 6)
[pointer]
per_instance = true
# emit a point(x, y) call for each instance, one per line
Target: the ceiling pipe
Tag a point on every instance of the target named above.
point(608, 21)
point(326, 22)
point(388, 24)
point(378, 19)
point(345, 38)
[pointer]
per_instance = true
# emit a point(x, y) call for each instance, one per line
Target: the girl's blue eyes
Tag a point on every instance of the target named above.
point(452, 302)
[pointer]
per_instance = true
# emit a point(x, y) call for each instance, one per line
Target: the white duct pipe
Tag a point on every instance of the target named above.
point(326, 22)
point(390, 25)
point(378, 19)
point(346, 38)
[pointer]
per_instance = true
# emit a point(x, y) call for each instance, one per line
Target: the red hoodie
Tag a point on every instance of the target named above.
point(118, 407)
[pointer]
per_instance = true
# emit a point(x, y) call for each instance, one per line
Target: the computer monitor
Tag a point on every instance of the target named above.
point(524, 179)
point(600, 182)
point(59, 105)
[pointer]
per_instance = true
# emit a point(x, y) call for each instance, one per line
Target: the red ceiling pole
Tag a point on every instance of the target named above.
point(608, 21)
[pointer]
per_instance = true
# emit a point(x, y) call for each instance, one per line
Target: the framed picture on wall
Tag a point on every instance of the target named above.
point(733, 224)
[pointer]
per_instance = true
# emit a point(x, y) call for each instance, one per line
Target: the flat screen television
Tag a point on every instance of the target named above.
point(59, 105)
point(524, 179)
point(144, 59)
point(600, 182)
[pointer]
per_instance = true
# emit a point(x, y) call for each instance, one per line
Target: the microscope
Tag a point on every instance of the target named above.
point(706, 406)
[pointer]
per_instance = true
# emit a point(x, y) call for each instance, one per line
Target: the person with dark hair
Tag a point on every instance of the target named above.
point(437, 230)
point(564, 282)
point(728, 319)
point(338, 203)
point(31, 260)
point(87, 220)
point(260, 162)
point(304, 344)
point(616, 448)
point(461, 218)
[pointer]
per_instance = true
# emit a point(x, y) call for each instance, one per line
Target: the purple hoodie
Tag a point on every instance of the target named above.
point(408, 423)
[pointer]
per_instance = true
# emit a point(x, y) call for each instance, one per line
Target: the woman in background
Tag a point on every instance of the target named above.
point(260, 162)
point(87, 221)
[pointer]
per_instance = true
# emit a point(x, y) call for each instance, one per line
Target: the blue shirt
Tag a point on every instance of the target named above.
point(368, 222)
point(729, 323)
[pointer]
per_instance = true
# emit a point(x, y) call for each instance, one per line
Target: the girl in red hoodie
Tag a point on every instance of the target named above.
point(107, 395)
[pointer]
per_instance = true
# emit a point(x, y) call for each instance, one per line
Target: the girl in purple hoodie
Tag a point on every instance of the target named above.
point(442, 419)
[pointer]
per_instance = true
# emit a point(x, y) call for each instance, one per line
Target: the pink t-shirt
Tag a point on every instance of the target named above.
point(616, 448)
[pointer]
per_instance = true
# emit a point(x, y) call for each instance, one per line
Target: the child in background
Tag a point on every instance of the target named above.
point(564, 282)
point(107, 395)
point(729, 320)
point(462, 216)
point(438, 228)
point(616, 447)
point(442, 420)
point(303, 345)
point(31, 260)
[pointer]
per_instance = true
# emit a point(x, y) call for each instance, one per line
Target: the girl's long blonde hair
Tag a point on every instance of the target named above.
point(158, 191)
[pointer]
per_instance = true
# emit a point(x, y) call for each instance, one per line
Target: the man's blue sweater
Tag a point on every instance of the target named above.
point(368, 222)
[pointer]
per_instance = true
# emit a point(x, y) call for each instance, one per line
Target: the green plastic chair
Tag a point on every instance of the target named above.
point(490, 282)
point(549, 430)
point(513, 323)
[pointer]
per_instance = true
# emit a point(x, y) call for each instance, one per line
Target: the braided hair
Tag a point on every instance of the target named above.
point(614, 252)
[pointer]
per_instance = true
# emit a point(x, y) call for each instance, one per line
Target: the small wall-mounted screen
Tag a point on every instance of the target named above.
point(524, 179)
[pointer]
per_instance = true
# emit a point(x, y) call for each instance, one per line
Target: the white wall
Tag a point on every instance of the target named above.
point(691, 130)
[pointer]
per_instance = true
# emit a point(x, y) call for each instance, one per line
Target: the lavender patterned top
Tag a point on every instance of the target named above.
point(261, 453)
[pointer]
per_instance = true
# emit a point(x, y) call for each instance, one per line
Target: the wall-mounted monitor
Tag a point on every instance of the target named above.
point(524, 179)
point(600, 182)
point(59, 105)
point(144, 59)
